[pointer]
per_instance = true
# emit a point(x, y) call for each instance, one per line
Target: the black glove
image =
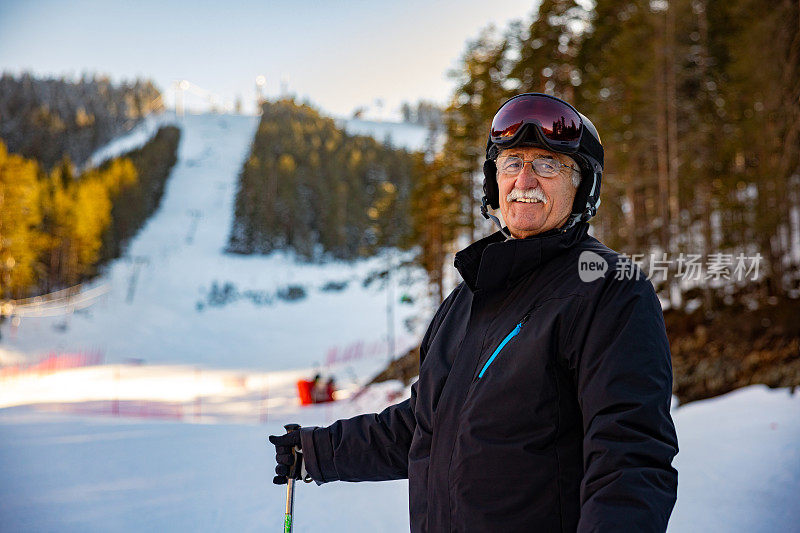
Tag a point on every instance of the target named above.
point(288, 462)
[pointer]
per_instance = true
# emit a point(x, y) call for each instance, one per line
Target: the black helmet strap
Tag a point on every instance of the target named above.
point(488, 216)
point(490, 188)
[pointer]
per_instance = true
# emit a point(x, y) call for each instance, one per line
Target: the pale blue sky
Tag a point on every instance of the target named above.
point(340, 55)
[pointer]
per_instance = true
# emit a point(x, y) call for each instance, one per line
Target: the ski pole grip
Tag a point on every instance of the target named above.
point(290, 428)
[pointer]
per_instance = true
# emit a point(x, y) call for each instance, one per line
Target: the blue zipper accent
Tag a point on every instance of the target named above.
point(510, 336)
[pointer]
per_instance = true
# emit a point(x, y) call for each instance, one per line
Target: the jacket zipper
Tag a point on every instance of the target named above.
point(510, 336)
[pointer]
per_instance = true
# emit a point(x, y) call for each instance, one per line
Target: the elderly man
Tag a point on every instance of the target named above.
point(543, 395)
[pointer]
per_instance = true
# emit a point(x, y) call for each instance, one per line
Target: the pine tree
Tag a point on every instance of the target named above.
point(548, 54)
point(766, 126)
point(20, 217)
point(479, 92)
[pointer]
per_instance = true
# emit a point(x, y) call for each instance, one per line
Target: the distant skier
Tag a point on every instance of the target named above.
point(315, 391)
point(307, 390)
point(330, 390)
point(545, 377)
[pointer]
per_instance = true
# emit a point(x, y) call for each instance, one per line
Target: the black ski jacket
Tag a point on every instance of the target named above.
point(542, 402)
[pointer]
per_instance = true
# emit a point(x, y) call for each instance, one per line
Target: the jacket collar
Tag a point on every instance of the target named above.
point(493, 262)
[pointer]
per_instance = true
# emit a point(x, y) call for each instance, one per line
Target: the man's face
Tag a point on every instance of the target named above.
point(530, 218)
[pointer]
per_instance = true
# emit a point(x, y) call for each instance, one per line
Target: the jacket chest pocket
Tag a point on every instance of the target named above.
point(484, 366)
point(511, 393)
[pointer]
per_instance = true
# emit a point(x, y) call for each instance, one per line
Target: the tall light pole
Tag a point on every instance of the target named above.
point(261, 81)
point(284, 86)
point(181, 87)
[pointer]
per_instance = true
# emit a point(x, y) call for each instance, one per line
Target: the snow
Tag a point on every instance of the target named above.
point(170, 433)
point(189, 393)
point(10, 357)
point(156, 308)
point(93, 473)
point(137, 137)
point(79, 450)
point(739, 462)
point(739, 471)
point(89, 474)
point(412, 137)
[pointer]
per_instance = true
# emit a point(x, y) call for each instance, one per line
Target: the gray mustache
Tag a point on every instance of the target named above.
point(531, 194)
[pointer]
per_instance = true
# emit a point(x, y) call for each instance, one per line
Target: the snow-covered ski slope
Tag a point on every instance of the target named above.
point(397, 134)
point(228, 372)
point(137, 137)
point(739, 472)
point(159, 308)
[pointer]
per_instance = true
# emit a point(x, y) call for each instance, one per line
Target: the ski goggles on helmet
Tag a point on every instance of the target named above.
point(559, 124)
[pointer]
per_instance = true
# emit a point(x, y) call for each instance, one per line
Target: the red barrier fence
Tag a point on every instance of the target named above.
point(359, 350)
point(53, 362)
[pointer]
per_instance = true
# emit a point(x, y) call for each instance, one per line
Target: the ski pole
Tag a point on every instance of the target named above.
point(287, 522)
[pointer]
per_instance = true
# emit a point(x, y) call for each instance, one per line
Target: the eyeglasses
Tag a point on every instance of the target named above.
point(559, 123)
point(546, 167)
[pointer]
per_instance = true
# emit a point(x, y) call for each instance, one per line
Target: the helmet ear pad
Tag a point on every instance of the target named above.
point(490, 188)
point(582, 192)
point(588, 192)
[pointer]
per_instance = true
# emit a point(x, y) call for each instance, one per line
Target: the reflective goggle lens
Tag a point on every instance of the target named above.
point(558, 121)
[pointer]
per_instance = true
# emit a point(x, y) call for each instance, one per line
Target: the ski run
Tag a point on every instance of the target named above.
point(200, 358)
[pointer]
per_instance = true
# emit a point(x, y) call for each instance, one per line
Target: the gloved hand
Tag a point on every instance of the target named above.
point(284, 444)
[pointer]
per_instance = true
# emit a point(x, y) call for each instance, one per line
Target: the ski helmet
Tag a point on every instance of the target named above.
point(544, 121)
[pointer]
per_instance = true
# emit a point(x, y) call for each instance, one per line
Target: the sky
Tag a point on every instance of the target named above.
point(337, 55)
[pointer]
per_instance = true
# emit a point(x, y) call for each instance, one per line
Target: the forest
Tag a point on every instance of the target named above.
point(700, 160)
point(48, 118)
point(57, 228)
point(58, 224)
point(310, 186)
point(697, 104)
point(698, 107)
